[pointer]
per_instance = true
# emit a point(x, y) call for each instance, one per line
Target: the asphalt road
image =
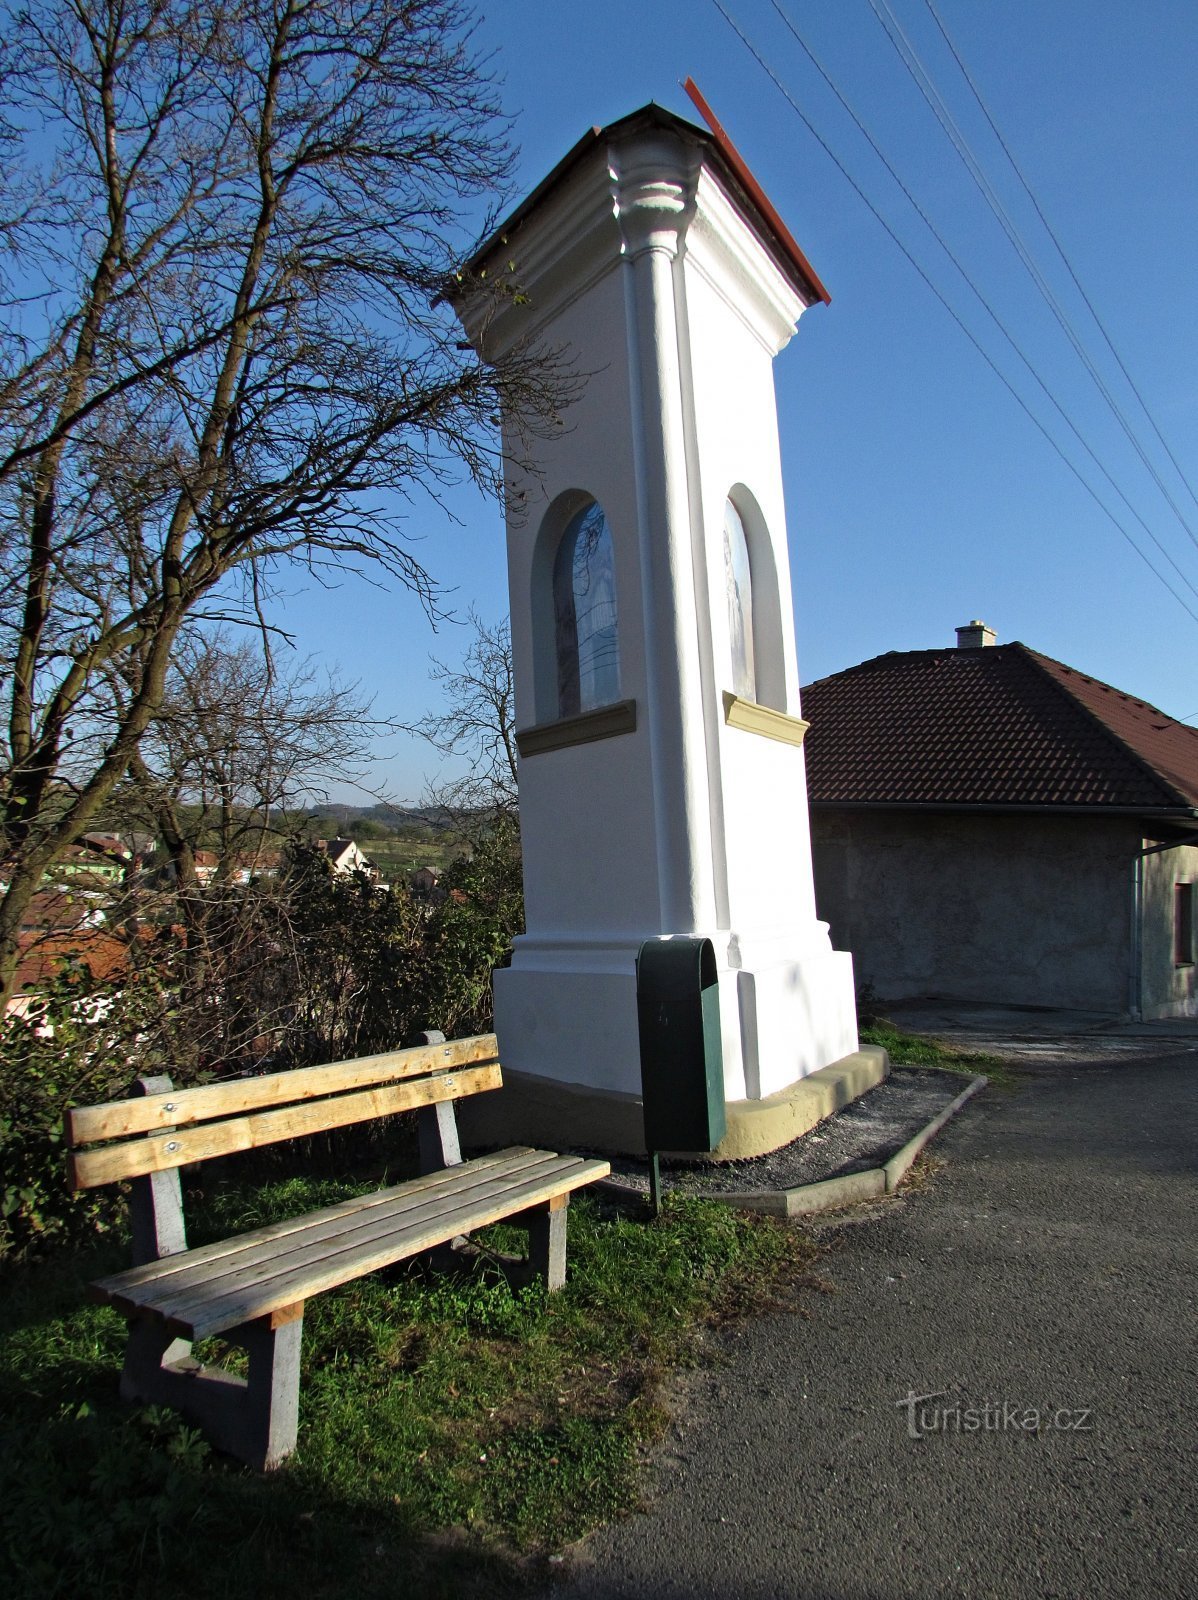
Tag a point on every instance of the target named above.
point(1050, 1268)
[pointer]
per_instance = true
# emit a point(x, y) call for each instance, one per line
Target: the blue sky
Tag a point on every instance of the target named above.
point(919, 494)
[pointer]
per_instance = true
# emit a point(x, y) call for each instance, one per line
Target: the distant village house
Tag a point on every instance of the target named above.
point(345, 857)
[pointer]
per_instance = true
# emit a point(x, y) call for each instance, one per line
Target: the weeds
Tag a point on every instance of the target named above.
point(916, 1050)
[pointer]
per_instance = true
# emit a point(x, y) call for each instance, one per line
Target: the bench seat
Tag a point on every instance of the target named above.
point(251, 1289)
point(215, 1287)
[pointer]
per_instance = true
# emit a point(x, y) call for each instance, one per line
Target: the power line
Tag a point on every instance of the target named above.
point(984, 302)
point(1060, 249)
point(985, 355)
point(909, 56)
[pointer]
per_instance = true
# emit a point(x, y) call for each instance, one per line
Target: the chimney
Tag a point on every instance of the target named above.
point(975, 635)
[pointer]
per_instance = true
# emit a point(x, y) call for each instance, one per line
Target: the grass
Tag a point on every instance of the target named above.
point(399, 858)
point(916, 1050)
point(452, 1430)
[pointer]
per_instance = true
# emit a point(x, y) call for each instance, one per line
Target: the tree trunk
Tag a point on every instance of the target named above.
point(22, 886)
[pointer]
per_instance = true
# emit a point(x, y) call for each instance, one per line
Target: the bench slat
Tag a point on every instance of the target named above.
point(159, 1152)
point(181, 1293)
point(123, 1283)
point(178, 1108)
point(319, 1244)
point(256, 1300)
point(255, 1293)
point(154, 1282)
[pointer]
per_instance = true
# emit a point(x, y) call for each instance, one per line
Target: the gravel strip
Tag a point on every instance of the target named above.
point(864, 1134)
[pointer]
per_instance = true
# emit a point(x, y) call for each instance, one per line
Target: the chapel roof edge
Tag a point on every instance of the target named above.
point(718, 151)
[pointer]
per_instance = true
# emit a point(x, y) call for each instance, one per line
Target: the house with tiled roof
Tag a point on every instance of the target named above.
point(989, 824)
point(346, 856)
point(97, 861)
point(62, 931)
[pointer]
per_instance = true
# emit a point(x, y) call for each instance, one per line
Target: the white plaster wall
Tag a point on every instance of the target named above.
point(797, 1003)
point(592, 815)
point(1019, 911)
point(761, 783)
point(643, 275)
point(1166, 990)
point(588, 811)
point(770, 889)
point(593, 452)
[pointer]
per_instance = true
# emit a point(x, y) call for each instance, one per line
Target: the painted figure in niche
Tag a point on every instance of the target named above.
point(584, 603)
point(739, 586)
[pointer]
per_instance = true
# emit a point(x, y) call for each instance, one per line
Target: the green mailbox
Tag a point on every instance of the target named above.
point(682, 1058)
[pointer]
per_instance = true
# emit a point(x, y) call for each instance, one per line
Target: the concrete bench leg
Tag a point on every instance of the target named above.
point(254, 1419)
point(547, 1241)
point(271, 1417)
point(158, 1367)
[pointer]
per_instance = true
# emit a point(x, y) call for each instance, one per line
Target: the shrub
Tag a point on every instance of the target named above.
point(470, 932)
point(315, 967)
point(82, 1045)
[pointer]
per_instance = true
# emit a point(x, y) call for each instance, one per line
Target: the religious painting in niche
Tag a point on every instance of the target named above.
point(584, 607)
point(738, 584)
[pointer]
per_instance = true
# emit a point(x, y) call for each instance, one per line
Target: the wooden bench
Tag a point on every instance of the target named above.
point(251, 1289)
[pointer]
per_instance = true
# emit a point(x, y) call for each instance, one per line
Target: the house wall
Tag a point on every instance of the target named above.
point(1013, 910)
point(1167, 990)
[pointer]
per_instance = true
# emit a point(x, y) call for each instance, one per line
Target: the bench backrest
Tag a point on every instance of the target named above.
point(138, 1137)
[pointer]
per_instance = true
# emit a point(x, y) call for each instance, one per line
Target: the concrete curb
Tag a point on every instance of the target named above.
point(897, 1168)
point(832, 1193)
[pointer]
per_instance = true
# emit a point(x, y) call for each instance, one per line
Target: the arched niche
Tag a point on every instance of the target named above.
point(756, 668)
point(575, 610)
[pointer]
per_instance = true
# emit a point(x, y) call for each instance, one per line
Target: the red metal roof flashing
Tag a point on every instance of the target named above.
point(755, 192)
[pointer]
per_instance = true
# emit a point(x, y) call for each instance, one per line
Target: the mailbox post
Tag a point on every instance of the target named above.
point(682, 1063)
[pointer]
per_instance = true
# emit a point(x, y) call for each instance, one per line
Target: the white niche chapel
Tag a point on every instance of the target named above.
point(662, 787)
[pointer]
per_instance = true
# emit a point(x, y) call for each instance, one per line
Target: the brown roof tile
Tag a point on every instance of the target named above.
point(1001, 726)
point(44, 955)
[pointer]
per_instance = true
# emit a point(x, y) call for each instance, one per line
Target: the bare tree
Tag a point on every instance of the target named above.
point(240, 741)
point(221, 345)
point(477, 724)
